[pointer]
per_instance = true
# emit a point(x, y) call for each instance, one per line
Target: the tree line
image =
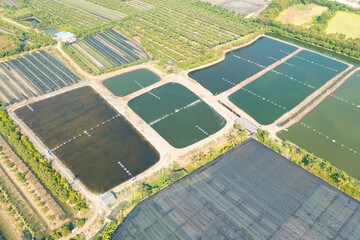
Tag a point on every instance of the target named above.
point(42, 168)
point(316, 34)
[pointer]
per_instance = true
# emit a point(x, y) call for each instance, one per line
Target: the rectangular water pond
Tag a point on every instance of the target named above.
point(332, 129)
point(127, 83)
point(238, 65)
point(177, 114)
point(90, 137)
point(284, 87)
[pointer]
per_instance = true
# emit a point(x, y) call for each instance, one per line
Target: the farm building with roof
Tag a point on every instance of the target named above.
point(65, 37)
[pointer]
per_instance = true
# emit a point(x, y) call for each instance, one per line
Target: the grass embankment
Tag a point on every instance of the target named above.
point(301, 14)
point(316, 166)
point(345, 23)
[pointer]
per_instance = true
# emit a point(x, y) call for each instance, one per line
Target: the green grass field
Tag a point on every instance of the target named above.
point(301, 14)
point(345, 23)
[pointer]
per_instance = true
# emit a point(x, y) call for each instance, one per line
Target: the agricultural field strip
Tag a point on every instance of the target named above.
point(79, 52)
point(187, 28)
point(7, 229)
point(10, 88)
point(330, 138)
point(24, 74)
point(21, 76)
point(140, 5)
point(204, 22)
point(110, 46)
point(33, 180)
point(124, 45)
point(111, 58)
point(181, 24)
point(16, 78)
point(78, 17)
point(28, 89)
point(157, 45)
point(20, 202)
point(84, 10)
point(90, 7)
point(11, 2)
point(91, 56)
point(192, 12)
point(208, 23)
point(85, 133)
point(168, 45)
point(104, 57)
point(116, 5)
point(175, 111)
point(107, 50)
point(124, 57)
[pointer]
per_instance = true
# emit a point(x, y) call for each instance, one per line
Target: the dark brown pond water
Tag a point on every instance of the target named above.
point(90, 137)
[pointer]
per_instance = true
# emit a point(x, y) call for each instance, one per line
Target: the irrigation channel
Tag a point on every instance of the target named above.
point(127, 83)
point(331, 130)
point(258, 55)
point(177, 114)
point(90, 137)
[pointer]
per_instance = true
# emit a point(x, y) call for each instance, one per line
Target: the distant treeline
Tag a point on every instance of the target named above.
point(316, 33)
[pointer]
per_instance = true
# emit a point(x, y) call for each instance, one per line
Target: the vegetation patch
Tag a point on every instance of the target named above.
point(180, 32)
point(345, 23)
point(301, 14)
point(105, 51)
point(316, 34)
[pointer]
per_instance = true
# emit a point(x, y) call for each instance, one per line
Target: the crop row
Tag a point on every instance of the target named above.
point(104, 51)
point(31, 75)
point(95, 9)
point(140, 5)
point(183, 30)
point(62, 14)
point(19, 206)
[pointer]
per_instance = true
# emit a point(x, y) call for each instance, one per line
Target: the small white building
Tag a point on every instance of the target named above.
point(65, 37)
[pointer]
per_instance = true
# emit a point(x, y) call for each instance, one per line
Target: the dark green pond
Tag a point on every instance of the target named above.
point(90, 137)
point(331, 130)
point(329, 53)
point(177, 114)
point(279, 90)
point(130, 82)
point(236, 68)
